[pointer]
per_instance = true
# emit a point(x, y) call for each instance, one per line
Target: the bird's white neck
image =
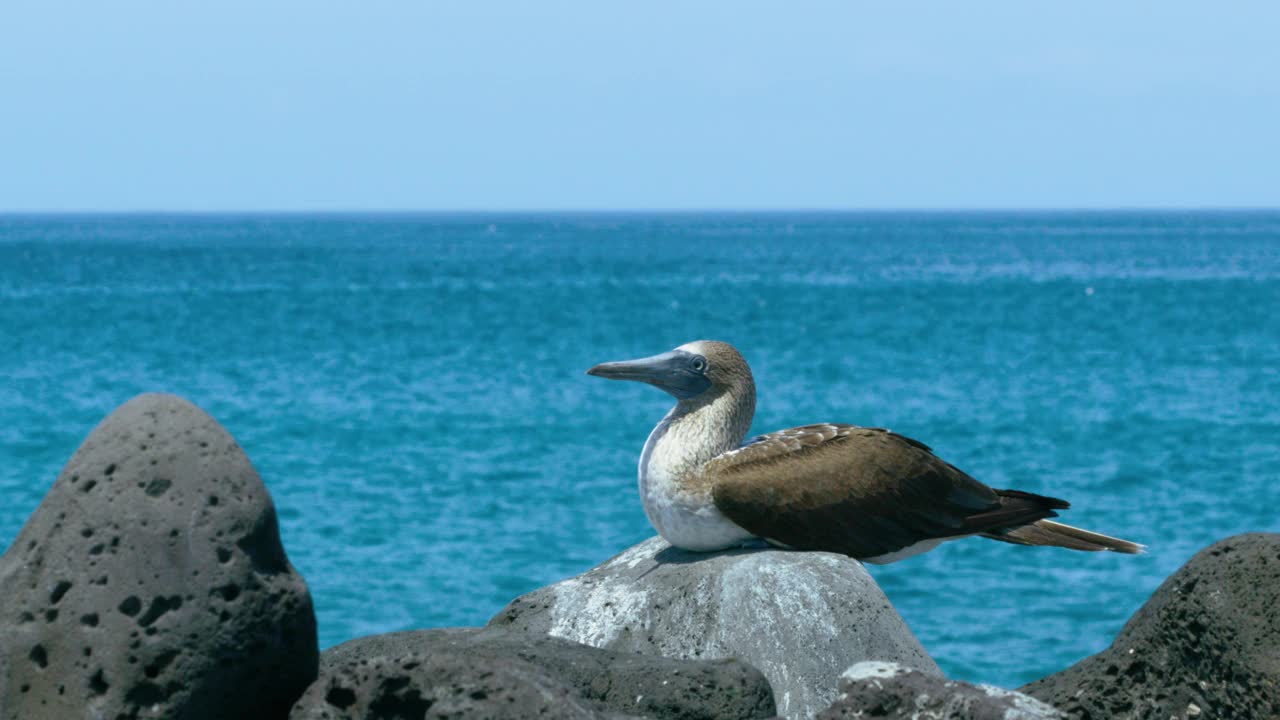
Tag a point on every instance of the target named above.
point(695, 431)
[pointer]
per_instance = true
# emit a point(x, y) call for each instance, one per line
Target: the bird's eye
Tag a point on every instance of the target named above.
point(699, 364)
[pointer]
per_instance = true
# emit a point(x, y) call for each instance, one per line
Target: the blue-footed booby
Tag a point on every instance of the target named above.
point(868, 493)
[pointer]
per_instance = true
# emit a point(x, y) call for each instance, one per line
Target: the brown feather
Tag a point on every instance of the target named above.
point(1045, 532)
point(859, 491)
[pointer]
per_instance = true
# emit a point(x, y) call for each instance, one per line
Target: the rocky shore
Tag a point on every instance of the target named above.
point(151, 583)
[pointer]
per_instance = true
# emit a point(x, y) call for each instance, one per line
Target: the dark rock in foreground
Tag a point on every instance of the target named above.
point(1207, 644)
point(890, 691)
point(355, 677)
point(801, 618)
point(150, 582)
point(437, 685)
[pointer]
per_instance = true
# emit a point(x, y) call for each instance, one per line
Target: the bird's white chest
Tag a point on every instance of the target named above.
point(684, 516)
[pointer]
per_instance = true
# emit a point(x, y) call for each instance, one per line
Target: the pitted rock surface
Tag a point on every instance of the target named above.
point(440, 685)
point(625, 683)
point(151, 582)
point(1206, 645)
point(802, 618)
point(890, 691)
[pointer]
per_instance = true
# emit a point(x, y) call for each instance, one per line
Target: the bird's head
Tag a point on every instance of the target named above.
point(687, 372)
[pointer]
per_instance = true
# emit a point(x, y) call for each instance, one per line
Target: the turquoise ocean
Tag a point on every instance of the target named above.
point(411, 387)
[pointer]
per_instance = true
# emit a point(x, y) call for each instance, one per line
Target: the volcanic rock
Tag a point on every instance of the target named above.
point(887, 690)
point(801, 618)
point(1206, 645)
point(151, 582)
point(437, 685)
point(653, 687)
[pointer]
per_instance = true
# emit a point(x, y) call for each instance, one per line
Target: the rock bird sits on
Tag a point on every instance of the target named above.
point(865, 492)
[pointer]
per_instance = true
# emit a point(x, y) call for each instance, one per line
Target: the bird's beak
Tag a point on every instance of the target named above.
point(669, 371)
point(650, 369)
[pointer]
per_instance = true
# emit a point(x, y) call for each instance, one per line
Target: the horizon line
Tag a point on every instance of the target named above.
point(656, 211)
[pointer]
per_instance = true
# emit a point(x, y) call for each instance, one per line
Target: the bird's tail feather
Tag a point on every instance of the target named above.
point(1048, 532)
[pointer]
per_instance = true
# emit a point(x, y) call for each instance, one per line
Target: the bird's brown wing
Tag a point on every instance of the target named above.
point(859, 491)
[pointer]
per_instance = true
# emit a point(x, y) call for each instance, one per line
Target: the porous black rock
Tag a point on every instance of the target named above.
point(1206, 645)
point(800, 617)
point(151, 582)
point(437, 685)
point(603, 680)
point(893, 692)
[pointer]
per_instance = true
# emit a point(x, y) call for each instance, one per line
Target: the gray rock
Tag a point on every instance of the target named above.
point(436, 685)
point(1207, 644)
point(801, 618)
point(150, 582)
point(642, 685)
point(890, 691)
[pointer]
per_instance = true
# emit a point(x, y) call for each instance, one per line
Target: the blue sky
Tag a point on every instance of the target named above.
point(551, 105)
